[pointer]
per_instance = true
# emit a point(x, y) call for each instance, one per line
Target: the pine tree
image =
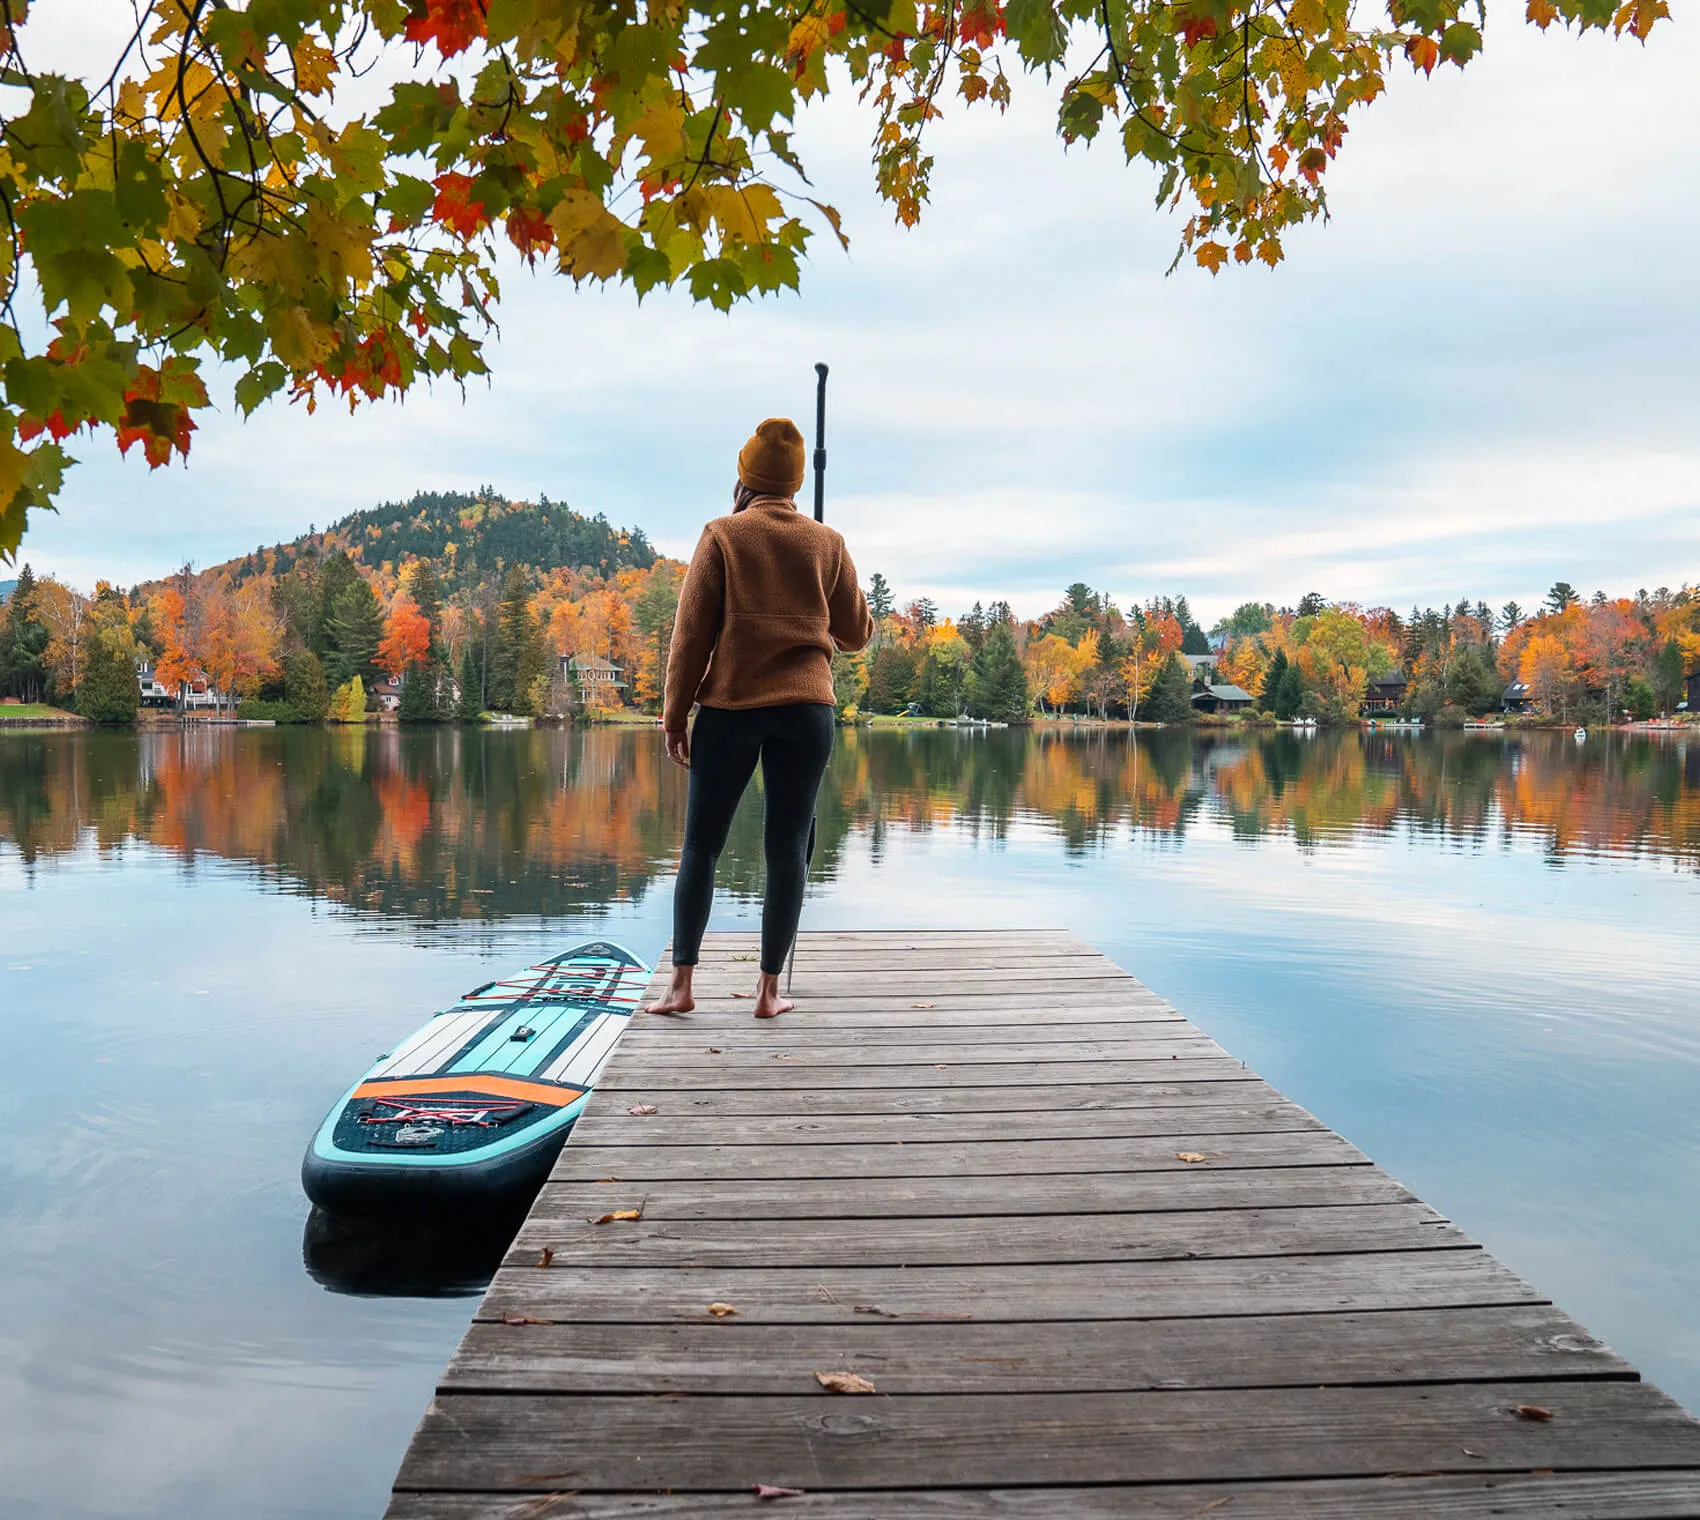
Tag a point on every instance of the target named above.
point(890, 677)
point(880, 600)
point(305, 687)
point(996, 688)
point(1170, 700)
point(110, 693)
point(470, 707)
point(23, 641)
point(1289, 694)
point(335, 575)
point(419, 695)
point(1266, 693)
point(355, 629)
point(512, 662)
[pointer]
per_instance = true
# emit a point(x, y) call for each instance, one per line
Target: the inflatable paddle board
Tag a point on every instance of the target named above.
point(472, 1110)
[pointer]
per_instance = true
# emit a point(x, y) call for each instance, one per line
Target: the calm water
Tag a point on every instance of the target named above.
point(1476, 958)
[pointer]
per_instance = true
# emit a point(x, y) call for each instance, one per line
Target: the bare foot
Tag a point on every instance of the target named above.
point(678, 998)
point(770, 1003)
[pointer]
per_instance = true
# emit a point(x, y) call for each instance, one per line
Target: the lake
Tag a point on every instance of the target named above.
point(1477, 957)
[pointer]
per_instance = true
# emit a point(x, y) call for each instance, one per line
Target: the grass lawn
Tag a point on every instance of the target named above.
point(33, 710)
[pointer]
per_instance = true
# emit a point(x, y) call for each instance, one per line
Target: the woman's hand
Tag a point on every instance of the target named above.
point(679, 748)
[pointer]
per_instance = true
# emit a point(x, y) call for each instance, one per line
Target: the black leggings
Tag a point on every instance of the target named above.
point(793, 743)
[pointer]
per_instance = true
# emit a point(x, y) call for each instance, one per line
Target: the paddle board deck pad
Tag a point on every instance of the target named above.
point(473, 1108)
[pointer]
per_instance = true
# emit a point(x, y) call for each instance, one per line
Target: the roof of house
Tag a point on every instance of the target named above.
point(1517, 689)
point(1392, 680)
point(1227, 693)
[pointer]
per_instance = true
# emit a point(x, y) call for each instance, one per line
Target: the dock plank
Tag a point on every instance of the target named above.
point(1091, 1262)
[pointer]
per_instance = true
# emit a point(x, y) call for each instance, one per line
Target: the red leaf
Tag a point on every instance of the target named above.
point(454, 25)
point(455, 208)
point(529, 231)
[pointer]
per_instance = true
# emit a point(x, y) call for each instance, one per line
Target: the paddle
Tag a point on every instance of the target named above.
point(820, 516)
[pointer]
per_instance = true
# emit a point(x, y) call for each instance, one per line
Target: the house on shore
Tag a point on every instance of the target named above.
point(1517, 698)
point(595, 677)
point(1384, 694)
point(1215, 697)
point(153, 692)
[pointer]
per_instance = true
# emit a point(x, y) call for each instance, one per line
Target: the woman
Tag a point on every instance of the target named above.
point(769, 595)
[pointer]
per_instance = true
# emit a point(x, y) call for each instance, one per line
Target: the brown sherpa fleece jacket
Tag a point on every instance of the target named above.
point(769, 595)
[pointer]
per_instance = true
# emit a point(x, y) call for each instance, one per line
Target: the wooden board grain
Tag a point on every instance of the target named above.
point(753, 1199)
point(1092, 1264)
point(963, 1357)
point(1671, 1495)
point(617, 1442)
point(1033, 1294)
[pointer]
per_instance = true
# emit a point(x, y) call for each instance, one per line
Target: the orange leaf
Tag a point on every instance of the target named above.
point(844, 1382)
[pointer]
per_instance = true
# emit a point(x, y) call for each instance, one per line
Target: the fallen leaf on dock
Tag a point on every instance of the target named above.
point(524, 1319)
point(872, 1309)
point(772, 1491)
point(643, 1110)
point(619, 1214)
point(742, 994)
point(844, 1382)
point(714, 1050)
point(923, 1005)
point(1532, 1412)
point(825, 1294)
point(721, 1311)
point(1190, 1156)
point(547, 1256)
point(607, 1179)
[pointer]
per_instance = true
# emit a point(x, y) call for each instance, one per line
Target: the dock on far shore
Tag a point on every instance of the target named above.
point(1087, 1263)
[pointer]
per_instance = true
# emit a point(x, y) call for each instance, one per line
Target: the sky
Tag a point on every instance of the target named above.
point(1478, 378)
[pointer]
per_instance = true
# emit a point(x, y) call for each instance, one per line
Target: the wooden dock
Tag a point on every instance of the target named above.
point(1091, 1265)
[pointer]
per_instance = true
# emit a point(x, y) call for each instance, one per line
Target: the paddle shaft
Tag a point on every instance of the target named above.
point(820, 516)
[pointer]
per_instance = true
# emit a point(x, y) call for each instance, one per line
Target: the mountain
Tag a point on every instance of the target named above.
point(6, 590)
point(472, 537)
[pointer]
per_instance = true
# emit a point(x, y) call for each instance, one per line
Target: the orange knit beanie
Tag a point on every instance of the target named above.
point(773, 459)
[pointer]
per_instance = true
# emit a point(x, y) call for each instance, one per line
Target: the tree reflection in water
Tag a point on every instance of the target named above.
point(441, 826)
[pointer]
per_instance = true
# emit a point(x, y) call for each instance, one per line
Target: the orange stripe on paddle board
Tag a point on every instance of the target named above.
point(478, 1082)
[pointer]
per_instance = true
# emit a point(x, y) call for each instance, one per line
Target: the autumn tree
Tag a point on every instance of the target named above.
point(657, 605)
point(240, 637)
point(348, 702)
point(65, 611)
point(406, 644)
point(1562, 597)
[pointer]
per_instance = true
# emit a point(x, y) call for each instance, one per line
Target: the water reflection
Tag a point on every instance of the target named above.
point(452, 1258)
point(447, 826)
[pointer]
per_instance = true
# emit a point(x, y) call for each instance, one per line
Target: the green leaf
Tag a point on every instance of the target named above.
point(261, 381)
point(718, 282)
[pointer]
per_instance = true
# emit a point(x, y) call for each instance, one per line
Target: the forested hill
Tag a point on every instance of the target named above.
point(6, 589)
point(471, 536)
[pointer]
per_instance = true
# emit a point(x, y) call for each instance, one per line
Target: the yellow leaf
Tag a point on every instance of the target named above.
point(721, 1311)
point(578, 209)
point(298, 340)
point(807, 35)
point(662, 129)
point(1190, 1156)
point(1542, 12)
point(1211, 256)
point(314, 66)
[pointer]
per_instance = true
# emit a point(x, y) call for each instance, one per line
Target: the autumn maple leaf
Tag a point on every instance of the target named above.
point(455, 208)
point(454, 25)
point(529, 231)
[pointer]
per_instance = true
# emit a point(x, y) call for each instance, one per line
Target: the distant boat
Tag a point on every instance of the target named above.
point(1580, 734)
